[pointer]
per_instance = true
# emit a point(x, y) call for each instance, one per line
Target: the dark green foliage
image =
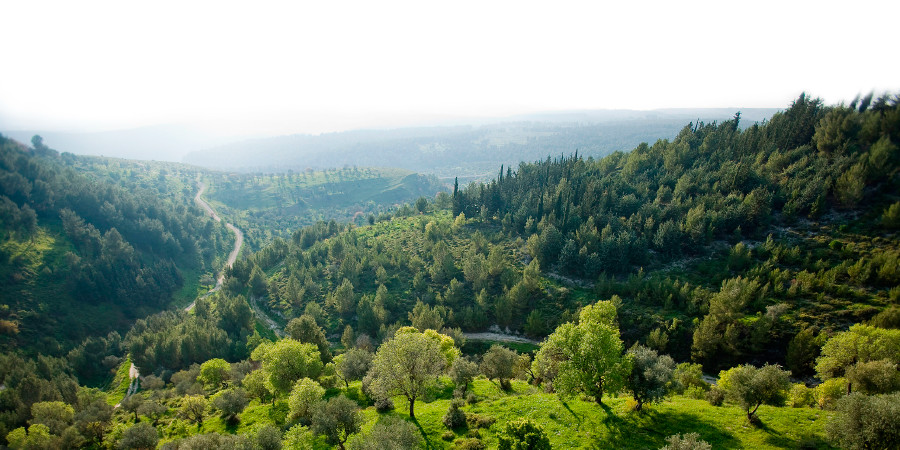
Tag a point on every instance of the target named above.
point(268, 438)
point(231, 402)
point(462, 372)
point(651, 375)
point(305, 329)
point(141, 435)
point(455, 417)
point(353, 365)
point(210, 441)
point(866, 422)
point(523, 434)
point(337, 419)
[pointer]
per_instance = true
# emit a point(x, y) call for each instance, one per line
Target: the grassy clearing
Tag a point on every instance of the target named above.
point(120, 382)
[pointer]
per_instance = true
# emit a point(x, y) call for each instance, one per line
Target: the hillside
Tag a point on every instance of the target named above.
point(83, 254)
point(274, 205)
point(466, 152)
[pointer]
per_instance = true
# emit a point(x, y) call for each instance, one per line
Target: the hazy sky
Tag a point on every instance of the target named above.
point(326, 65)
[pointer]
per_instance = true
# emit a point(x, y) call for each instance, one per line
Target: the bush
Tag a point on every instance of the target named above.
point(384, 404)
point(455, 417)
point(830, 391)
point(866, 422)
point(141, 435)
point(687, 376)
point(696, 393)
point(523, 434)
point(479, 421)
point(801, 396)
point(687, 441)
point(304, 396)
point(715, 396)
point(469, 444)
point(390, 432)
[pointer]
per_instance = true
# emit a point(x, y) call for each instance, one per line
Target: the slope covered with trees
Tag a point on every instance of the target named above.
point(82, 255)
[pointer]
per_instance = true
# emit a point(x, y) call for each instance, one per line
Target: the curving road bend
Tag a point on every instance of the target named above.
point(232, 257)
point(238, 241)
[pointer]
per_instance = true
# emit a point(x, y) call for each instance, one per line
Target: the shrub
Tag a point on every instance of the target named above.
point(455, 417)
point(830, 391)
point(866, 422)
point(523, 434)
point(688, 375)
point(390, 432)
point(141, 435)
point(687, 441)
point(696, 393)
point(801, 396)
point(479, 421)
point(469, 444)
point(715, 396)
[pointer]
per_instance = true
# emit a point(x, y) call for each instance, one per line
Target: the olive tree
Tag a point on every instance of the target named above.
point(751, 386)
point(406, 365)
point(651, 374)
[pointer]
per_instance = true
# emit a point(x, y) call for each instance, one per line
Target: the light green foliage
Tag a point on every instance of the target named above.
point(801, 396)
point(462, 372)
point(523, 434)
point(651, 375)
point(499, 363)
point(55, 415)
point(751, 387)
point(287, 360)
point(37, 437)
point(861, 343)
point(721, 332)
point(686, 441)
point(305, 395)
point(891, 217)
point(688, 375)
point(193, 408)
point(407, 365)
point(830, 391)
point(214, 373)
point(337, 419)
point(424, 317)
point(389, 433)
point(588, 356)
point(866, 422)
point(257, 385)
point(299, 437)
point(139, 436)
point(874, 377)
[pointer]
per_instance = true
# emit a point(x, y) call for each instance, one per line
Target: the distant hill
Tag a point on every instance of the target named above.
point(468, 152)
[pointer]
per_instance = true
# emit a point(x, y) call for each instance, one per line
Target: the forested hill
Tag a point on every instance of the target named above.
point(723, 245)
point(81, 255)
point(467, 152)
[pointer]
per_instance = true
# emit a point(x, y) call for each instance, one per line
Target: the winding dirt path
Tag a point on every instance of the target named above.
point(238, 241)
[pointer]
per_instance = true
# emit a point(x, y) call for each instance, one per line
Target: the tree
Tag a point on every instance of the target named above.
point(257, 385)
point(424, 317)
point(305, 329)
point(462, 372)
point(152, 410)
point(389, 433)
point(343, 300)
point(861, 343)
point(587, 357)
point(214, 373)
point(304, 397)
point(193, 408)
point(353, 365)
point(57, 416)
point(750, 386)
point(132, 403)
point(231, 402)
point(287, 361)
point(406, 365)
point(141, 435)
point(865, 422)
point(874, 377)
point(499, 362)
point(337, 420)
point(523, 434)
point(268, 438)
point(651, 375)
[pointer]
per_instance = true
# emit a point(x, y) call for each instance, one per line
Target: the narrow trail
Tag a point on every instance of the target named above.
point(238, 241)
point(232, 257)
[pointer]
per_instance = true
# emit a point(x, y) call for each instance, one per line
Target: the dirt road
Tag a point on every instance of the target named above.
point(238, 241)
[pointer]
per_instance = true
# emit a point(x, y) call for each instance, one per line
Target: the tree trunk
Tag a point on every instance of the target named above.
point(751, 413)
point(412, 401)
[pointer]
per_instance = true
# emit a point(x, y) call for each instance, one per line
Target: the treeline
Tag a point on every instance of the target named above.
point(81, 255)
point(658, 203)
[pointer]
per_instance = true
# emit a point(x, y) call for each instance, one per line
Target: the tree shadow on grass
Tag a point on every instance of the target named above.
point(578, 418)
point(428, 444)
point(650, 428)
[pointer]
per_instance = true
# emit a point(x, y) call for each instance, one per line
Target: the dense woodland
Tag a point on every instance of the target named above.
point(765, 256)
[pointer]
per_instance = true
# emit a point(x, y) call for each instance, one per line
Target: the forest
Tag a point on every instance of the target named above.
point(734, 287)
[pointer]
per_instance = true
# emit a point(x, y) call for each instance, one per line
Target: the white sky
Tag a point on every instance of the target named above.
point(326, 65)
